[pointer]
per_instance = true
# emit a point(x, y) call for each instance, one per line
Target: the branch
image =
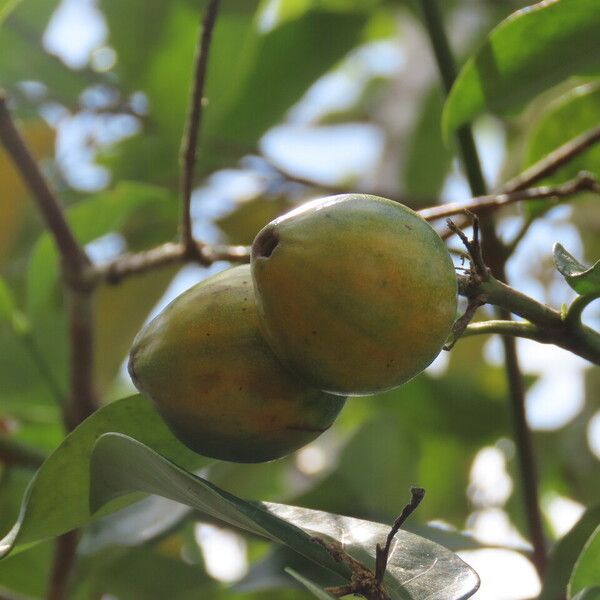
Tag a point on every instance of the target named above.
point(17, 454)
point(483, 204)
point(73, 256)
point(115, 271)
point(189, 142)
point(553, 161)
point(544, 323)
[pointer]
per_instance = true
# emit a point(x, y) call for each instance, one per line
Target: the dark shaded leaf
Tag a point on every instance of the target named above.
point(316, 591)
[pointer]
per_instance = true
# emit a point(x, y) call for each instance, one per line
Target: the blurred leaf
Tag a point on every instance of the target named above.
point(121, 310)
point(587, 568)
point(105, 213)
point(565, 553)
point(23, 57)
point(532, 50)
point(133, 525)
point(7, 303)
point(26, 573)
point(249, 217)
point(588, 594)
point(56, 500)
point(142, 574)
point(428, 160)
point(571, 115)
point(316, 591)
point(6, 6)
point(259, 61)
point(13, 193)
point(584, 280)
point(121, 465)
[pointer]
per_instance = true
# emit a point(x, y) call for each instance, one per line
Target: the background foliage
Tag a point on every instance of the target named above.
point(343, 94)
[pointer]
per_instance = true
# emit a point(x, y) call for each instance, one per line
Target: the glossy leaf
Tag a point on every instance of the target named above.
point(584, 280)
point(56, 500)
point(532, 50)
point(587, 568)
point(417, 567)
point(313, 588)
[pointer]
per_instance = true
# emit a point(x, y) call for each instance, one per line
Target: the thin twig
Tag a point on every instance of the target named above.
point(480, 204)
point(72, 254)
point(191, 132)
point(382, 555)
point(553, 161)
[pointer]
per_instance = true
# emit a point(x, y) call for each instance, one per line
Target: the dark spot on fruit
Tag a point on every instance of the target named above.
point(314, 332)
point(265, 242)
point(408, 226)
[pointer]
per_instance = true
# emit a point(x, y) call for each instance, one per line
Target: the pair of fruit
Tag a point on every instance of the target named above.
point(346, 295)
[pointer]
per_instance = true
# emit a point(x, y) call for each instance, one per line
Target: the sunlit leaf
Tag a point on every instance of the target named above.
point(584, 280)
point(57, 498)
point(532, 50)
point(417, 567)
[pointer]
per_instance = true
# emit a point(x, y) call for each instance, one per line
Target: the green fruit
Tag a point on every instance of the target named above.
point(205, 365)
point(356, 294)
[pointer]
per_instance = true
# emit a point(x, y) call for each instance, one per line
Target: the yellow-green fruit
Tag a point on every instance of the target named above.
point(356, 293)
point(205, 365)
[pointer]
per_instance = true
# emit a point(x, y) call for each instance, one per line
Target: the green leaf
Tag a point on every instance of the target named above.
point(428, 159)
point(532, 50)
point(569, 116)
point(316, 591)
point(7, 303)
point(584, 280)
point(105, 213)
point(121, 465)
point(142, 573)
point(588, 594)
point(56, 500)
point(565, 553)
point(587, 568)
point(6, 7)
point(133, 525)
